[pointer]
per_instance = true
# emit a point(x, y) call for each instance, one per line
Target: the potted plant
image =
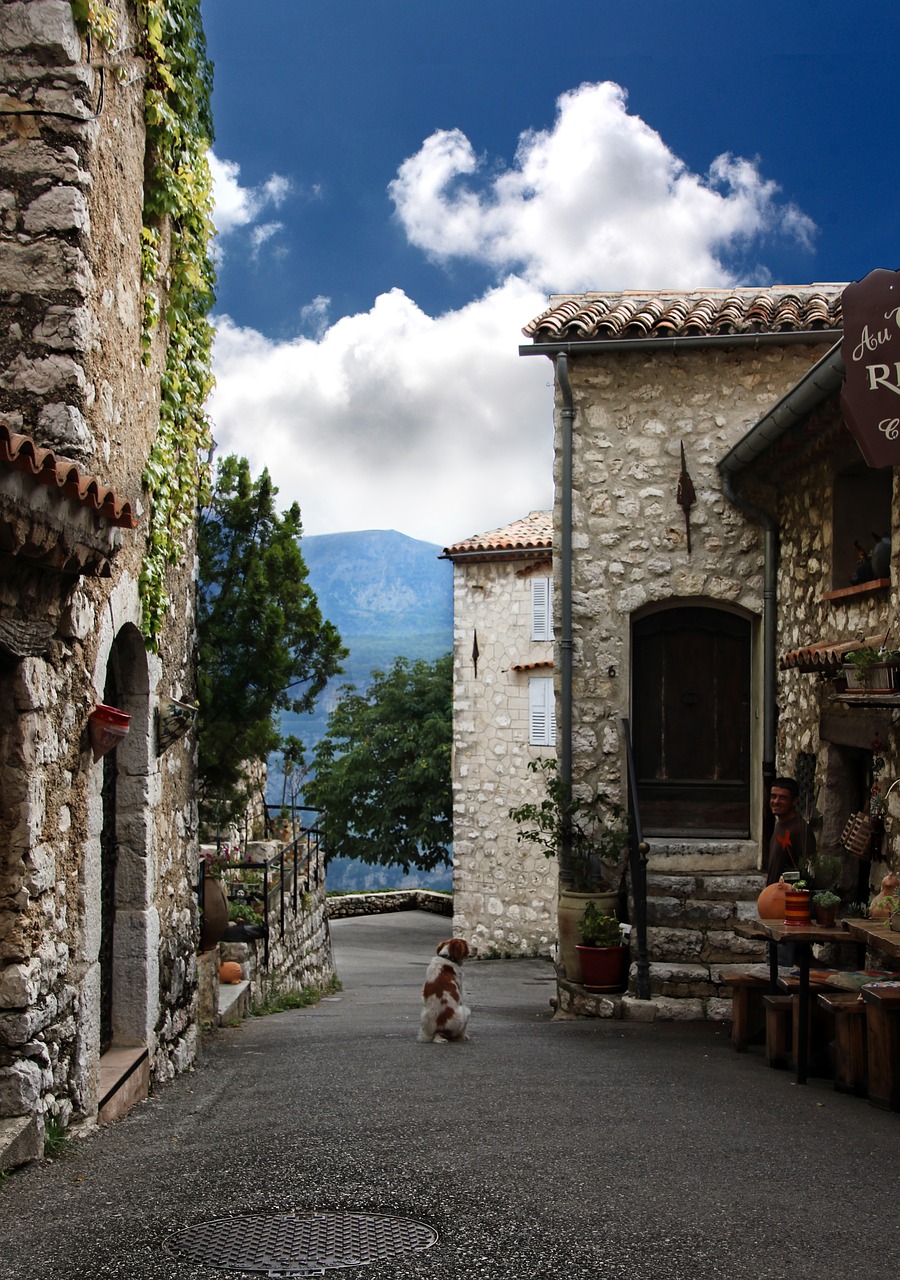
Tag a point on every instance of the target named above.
point(245, 924)
point(602, 953)
point(595, 832)
point(825, 905)
point(872, 668)
point(797, 903)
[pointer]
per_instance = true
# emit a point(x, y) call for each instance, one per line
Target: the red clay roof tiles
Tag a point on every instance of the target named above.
point(697, 313)
point(21, 454)
point(533, 532)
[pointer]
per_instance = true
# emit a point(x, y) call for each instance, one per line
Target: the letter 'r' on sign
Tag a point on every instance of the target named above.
point(870, 397)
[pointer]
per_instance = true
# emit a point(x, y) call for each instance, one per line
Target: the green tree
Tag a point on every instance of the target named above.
point(264, 645)
point(382, 771)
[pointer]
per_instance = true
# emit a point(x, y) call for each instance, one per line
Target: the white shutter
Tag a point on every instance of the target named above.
point(542, 608)
point(541, 712)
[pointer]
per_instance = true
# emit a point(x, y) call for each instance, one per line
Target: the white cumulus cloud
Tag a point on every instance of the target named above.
point(238, 206)
point(596, 202)
point(433, 425)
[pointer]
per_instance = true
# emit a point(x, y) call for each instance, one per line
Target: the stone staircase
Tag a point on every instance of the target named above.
point(694, 890)
point(690, 944)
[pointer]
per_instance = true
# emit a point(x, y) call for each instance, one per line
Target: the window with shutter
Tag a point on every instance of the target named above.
point(541, 712)
point(542, 608)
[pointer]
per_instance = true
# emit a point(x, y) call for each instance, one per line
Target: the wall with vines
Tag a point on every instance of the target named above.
point(177, 272)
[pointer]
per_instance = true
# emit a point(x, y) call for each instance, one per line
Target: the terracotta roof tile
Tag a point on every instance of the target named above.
point(826, 657)
point(532, 533)
point(695, 313)
point(21, 454)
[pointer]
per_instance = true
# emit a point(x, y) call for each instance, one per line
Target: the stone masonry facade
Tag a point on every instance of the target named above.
point(504, 892)
point(72, 380)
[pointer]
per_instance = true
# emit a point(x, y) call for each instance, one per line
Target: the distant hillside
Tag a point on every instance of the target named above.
point(389, 596)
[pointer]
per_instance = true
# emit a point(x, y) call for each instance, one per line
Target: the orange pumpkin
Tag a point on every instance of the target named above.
point(230, 972)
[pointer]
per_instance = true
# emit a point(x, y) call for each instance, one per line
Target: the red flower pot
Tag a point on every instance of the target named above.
point(107, 726)
point(604, 968)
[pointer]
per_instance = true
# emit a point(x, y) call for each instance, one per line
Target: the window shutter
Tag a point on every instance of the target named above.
point(541, 712)
point(542, 608)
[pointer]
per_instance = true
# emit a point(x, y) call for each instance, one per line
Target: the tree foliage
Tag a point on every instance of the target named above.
point(382, 771)
point(264, 645)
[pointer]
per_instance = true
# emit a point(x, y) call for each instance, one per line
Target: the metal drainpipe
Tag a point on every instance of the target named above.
point(567, 420)
point(770, 569)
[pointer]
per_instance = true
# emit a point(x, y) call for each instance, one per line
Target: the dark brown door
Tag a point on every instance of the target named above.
point(691, 722)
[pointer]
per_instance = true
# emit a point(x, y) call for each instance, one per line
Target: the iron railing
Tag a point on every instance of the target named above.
point(271, 887)
point(637, 862)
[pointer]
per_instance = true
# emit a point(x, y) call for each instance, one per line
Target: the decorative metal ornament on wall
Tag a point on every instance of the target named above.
point(686, 496)
point(173, 720)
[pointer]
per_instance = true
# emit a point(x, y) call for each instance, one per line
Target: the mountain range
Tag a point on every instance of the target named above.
point(389, 596)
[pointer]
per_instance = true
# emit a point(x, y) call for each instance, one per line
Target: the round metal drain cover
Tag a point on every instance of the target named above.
point(300, 1244)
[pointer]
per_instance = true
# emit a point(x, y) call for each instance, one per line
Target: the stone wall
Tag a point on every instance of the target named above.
point(72, 378)
point(504, 893)
point(632, 413)
point(839, 736)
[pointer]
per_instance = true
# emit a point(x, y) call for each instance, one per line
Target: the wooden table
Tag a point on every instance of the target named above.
point(876, 934)
point(805, 936)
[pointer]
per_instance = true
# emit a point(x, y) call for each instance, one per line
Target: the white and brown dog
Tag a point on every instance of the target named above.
point(444, 1016)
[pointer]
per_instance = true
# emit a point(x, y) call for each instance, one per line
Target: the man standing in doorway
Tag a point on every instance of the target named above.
point(793, 845)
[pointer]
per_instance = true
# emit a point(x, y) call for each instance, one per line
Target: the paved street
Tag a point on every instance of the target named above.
point(538, 1149)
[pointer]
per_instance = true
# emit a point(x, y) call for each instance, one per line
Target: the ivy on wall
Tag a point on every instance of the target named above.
point(177, 272)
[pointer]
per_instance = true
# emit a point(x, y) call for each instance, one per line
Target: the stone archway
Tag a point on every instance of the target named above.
point(129, 946)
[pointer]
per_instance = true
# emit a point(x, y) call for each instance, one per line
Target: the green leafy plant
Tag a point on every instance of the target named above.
point(279, 1000)
point(825, 898)
point(595, 829)
point(57, 1140)
point(382, 770)
point(598, 930)
point(241, 913)
point(864, 659)
point(826, 870)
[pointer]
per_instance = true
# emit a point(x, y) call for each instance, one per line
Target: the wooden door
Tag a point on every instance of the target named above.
point(691, 722)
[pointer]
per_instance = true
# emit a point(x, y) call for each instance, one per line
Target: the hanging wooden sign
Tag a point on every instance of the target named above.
point(870, 397)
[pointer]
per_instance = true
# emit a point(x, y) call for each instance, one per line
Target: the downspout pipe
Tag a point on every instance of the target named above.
point(770, 570)
point(566, 645)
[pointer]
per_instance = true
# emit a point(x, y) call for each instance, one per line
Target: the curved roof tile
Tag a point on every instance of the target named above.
point(22, 454)
point(533, 532)
point(689, 313)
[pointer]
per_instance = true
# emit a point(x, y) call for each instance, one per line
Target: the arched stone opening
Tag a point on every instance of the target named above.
point(129, 933)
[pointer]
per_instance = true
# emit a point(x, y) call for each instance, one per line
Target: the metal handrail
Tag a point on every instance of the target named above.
point(637, 859)
point(305, 849)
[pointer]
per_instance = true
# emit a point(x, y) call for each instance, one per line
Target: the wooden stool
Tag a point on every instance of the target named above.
point(883, 1045)
point(748, 1018)
point(779, 1020)
point(849, 1013)
point(820, 1025)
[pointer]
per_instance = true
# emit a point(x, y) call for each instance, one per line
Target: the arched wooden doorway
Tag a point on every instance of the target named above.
point(691, 721)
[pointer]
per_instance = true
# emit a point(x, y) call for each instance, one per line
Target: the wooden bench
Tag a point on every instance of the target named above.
point(850, 1055)
point(748, 1016)
point(882, 1006)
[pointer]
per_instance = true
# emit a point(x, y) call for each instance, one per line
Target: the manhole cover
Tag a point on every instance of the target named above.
point(300, 1244)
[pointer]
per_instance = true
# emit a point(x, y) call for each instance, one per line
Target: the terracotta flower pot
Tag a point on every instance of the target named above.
point(215, 913)
point(570, 910)
point(604, 969)
point(107, 726)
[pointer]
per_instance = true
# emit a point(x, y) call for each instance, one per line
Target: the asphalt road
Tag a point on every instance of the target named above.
point(577, 1150)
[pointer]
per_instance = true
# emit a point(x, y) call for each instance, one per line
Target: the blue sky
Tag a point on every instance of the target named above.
point(401, 184)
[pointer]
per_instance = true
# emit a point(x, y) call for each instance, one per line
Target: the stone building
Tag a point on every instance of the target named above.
point(98, 856)
point(671, 580)
point(504, 893)
point(836, 523)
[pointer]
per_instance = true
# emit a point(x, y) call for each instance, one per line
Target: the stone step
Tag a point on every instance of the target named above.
point(124, 1082)
point(20, 1141)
